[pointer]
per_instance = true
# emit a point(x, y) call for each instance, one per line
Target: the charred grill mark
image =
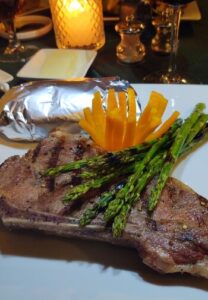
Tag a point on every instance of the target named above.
point(55, 153)
point(113, 160)
point(172, 192)
point(79, 150)
point(187, 236)
point(50, 181)
point(75, 180)
point(152, 224)
point(36, 152)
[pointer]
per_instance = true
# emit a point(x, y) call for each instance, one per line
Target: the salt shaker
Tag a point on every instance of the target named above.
point(161, 42)
point(130, 49)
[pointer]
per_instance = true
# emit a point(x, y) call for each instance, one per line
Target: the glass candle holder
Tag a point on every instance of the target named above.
point(78, 23)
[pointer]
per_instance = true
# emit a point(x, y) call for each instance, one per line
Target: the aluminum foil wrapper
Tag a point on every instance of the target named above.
point(29, 111)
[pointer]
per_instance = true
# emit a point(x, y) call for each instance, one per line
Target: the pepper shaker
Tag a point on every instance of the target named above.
point(130, 49)
point(161, 42)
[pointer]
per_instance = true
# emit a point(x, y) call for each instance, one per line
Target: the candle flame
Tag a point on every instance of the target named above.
point(74, 6)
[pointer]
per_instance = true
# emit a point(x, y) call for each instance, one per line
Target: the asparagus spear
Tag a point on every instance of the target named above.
point(185, 130)
point(106, 169)
point(71, 166)
point(103, 202)
point(80, 190)
point(197, 127)
point(200, 138)
point(153, 168)
point(122, 196)
point(99, 161)
point(174, 153)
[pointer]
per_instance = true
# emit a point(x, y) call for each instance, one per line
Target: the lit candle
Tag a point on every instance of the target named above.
point(78, 23)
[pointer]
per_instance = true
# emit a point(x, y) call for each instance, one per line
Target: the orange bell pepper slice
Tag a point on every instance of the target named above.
point(157, 102)
point(145, 130)
point(163, 128)
point(91, 130)
point(130, 124)
point(114, 130)
point(88, 116)
point(111, 101)
point(99, 117)
point(122, 105)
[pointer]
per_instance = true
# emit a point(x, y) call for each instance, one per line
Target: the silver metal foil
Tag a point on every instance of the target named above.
point(32, 109)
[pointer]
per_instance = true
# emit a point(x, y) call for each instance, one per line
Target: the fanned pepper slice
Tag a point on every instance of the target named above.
point(109, 131)
point(122, 105)
point(88, 116)
point(116, 127)
point(98, 112)
point(130, 124)
point(163, 128)
point(157, 102)
point(144, 131)
point(91, 130)
point(111, 101)
point(111, 113)
point(99, 118)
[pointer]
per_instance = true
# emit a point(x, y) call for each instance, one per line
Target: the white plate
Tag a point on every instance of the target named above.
point(58, 64)
point(52, 268)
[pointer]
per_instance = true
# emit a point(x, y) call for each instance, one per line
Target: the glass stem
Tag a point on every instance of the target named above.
point(14, 44)
point(175, 24)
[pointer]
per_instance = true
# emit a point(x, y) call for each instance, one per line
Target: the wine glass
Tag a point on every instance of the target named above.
point(171, 75)
point(15, 51)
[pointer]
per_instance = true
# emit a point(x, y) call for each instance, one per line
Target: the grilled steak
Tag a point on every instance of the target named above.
point(173, 239)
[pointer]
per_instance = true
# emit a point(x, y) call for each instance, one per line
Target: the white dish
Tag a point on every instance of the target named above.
point(58, 64)
point(53, 268)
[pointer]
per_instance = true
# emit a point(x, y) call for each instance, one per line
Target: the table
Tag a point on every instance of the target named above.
point(192, 54)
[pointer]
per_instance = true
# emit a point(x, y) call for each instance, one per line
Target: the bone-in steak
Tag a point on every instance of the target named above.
point(173, 239)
